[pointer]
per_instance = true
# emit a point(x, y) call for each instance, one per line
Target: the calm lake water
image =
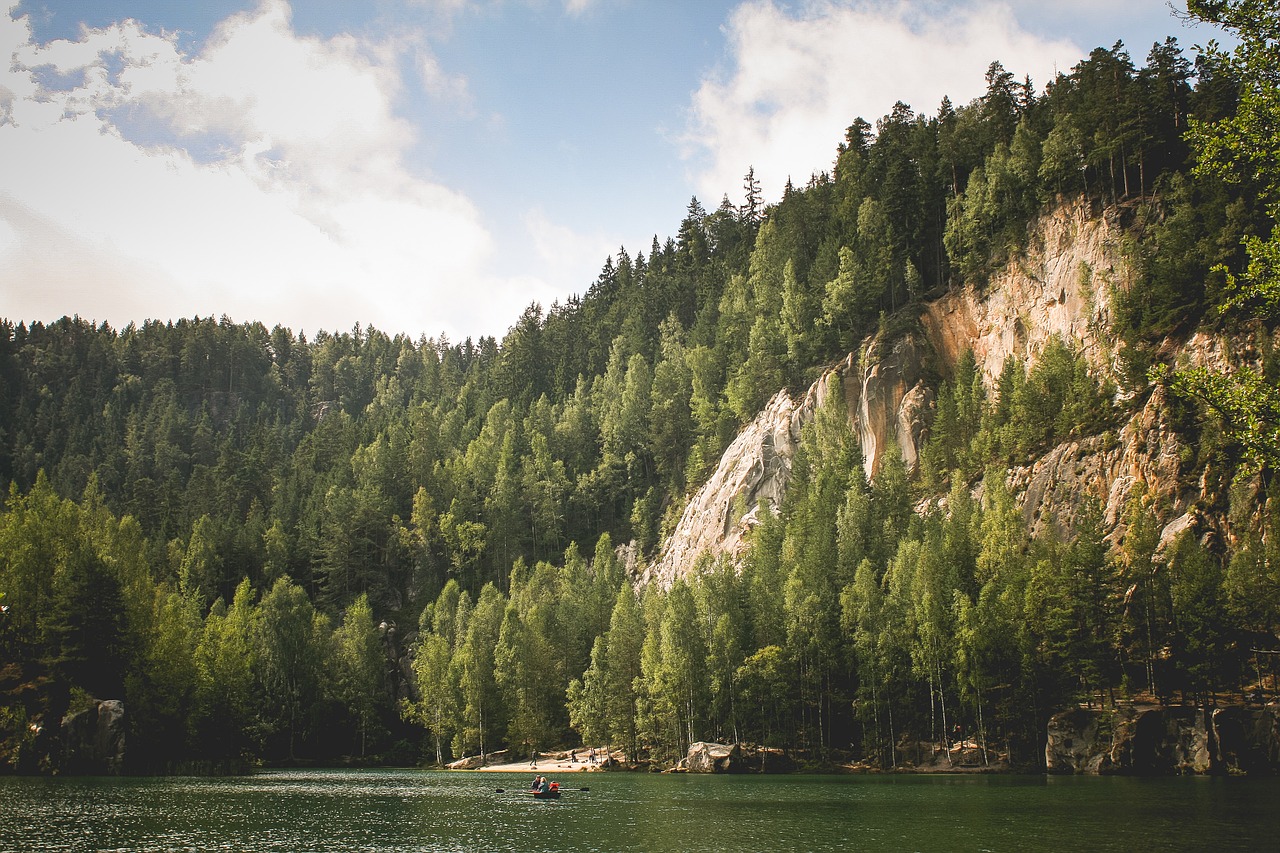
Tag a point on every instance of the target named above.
point(409, 810)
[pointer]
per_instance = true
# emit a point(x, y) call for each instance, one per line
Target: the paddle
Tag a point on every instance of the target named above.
point(562, 790)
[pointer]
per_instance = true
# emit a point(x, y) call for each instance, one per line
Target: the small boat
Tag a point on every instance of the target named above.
point(549, 794)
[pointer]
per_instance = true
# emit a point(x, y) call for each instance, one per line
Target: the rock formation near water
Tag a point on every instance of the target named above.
point(706, 757)
point(1164, 741)
point(93, 740)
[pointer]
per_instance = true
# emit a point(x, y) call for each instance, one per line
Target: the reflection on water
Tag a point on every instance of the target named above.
point(410, 810)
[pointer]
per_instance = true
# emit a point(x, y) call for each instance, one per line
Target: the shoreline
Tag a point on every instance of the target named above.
point(568, 761)
point(542, 767)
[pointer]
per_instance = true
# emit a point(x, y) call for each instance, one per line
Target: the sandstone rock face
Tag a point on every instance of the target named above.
point(94, 740)
point(474, 762)
point(1060, 286)
point(1172, 741)
point(1072, 744)
point(706, 757)
point(397, 649)
point(887, 399)
point(1248, 740)
point(1063, 286)
point(755, 469)
point(888, 406)
point(1164, 741)
point(1106, 468)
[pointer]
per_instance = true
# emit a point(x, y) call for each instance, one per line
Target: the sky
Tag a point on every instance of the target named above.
point(432, 167)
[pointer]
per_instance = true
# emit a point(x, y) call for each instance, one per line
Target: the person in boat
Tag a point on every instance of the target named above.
point(543, 785)
point(554, 787)
point(537, 780)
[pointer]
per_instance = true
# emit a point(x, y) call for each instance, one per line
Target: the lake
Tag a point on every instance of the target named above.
point(413, 811)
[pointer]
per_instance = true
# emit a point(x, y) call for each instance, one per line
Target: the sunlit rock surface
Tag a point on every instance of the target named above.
point(1062, 287)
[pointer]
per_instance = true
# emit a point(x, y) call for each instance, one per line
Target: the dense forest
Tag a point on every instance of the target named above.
point(238, 530)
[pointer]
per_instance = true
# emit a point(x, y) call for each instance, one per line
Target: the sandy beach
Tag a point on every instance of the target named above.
point(554, 762)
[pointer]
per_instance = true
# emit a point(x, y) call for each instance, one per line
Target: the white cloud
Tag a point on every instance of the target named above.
point(263, 178)
point(8, 238)
point(566, 253)
point(440, 84)
point(797, 80)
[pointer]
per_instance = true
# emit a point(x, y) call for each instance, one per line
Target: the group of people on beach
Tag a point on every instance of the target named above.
point(573, 758)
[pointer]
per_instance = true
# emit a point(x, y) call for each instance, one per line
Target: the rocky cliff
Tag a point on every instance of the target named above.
point(888, 400)
point(1061, 286)
point(753, 471)
point(1144, 450)
point(1164, 741)
point(888, 404)
point(94, 740)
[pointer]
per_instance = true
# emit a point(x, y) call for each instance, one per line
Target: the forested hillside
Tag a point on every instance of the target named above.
point(240, 531)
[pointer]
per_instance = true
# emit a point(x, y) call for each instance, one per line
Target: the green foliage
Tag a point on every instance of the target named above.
point(292, 661)
point(360, 665)
point(1057, 400)
point(761, 374)
point(1241, 149)
point(987, 223)
point(226, 659)
point(1246, 400)
point(325, 486)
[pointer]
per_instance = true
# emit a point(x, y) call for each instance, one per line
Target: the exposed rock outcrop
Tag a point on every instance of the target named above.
point(1248, 739)
point(755, 469)
point(888, 406)
point(93, 740)
point(887, 399)
point(1164, 741)
point(1061, 286)
point(706, 757)
point(1107, 468)
point(398, 660)
point(475, 762)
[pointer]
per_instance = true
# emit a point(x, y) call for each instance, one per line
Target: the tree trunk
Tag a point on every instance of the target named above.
point(1124, 172)
point(822, 726)
point(982, 727)
point(933, 709)
point(942, 701)
point(1151, 653)
point(893, 745)
point(875, 716)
